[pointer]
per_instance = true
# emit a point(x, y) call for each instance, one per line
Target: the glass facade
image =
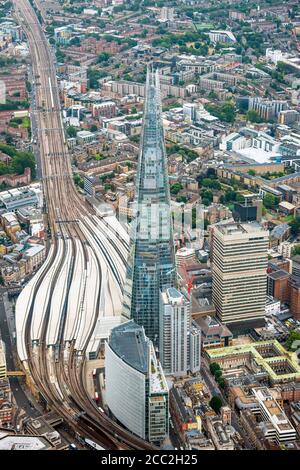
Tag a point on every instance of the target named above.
point(151, 263)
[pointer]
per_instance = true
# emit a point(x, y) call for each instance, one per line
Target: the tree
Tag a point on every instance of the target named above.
point(253, 116)
point(270, 201)
point(218, 374)
point(296, 250)
point(295, 225)
point(225, 112)
point(24, 160)
point(75, 41)
point(216, 403)
point(221, 382)
point(103, 57)
point(293, 336)
point(207, 196)
point(181, 199)
point(212, 95)
point(78, 181)
point(214, 367)
point(71, 131)
point(175, 188)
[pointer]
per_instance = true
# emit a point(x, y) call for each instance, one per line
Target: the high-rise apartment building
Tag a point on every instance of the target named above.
point(179, 338)
point(136, 390)
point(151, 262)
point(240, 273)
point(167, 14)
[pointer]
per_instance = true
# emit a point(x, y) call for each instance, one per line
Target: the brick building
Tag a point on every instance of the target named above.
point(294, 286)
point(278, 285)
point(16, 180)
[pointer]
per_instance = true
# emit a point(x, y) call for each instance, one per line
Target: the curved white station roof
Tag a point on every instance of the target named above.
point(42, 296)
point(59, 294)
point(23, 305)
point(89, 304)
point(76, 294)
point(83, 282)
point(113, 222)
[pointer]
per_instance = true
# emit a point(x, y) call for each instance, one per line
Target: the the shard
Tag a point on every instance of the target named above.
point(151, 263)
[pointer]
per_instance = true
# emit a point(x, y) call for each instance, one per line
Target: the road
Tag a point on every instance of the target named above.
point(15, 383)
point(215, 390)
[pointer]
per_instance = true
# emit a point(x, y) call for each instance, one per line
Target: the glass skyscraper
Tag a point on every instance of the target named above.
point(151, 263)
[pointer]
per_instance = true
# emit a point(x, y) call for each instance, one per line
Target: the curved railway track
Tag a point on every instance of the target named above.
point(58, 369)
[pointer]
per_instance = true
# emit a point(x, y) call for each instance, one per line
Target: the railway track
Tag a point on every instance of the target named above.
point(55, 365)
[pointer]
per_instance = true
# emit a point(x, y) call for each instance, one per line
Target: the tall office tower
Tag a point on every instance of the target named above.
point(240, 273)
point(136, 390)
point(179, 339)
point(151, 262)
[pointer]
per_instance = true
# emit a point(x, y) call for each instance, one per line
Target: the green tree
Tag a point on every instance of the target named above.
point(175, 188)
point(216, 403)
point(253, 116)
point(78, 181)
point(221, 382)
point(24, 160)
point(270, 201)
point(103, 57)
point(181, 199)
point(71, 131)
point(214, 367)
point(295, 226)
point(296, 250)
point(293, 336)
point(218, 374)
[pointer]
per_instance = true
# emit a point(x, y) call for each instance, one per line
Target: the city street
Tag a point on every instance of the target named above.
point(15, 383)
point(215, 390)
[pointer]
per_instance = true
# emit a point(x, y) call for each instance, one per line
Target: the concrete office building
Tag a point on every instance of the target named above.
point(239, 273)
point(179, 338)
point(277, 428)
point(136, 390)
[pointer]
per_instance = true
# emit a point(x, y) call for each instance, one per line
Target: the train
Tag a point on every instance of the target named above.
point(93, 444)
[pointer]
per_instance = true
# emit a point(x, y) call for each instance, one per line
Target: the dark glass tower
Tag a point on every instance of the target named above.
point(151, 262)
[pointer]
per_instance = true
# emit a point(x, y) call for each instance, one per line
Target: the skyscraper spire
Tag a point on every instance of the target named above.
point(151, 263)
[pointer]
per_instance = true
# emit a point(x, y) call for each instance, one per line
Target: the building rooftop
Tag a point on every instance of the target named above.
point(210, 326)
point(279, 274)
point(279, 231)
point(13, 442)
point(267, 361)
point(240, 229)
point(130, 343)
